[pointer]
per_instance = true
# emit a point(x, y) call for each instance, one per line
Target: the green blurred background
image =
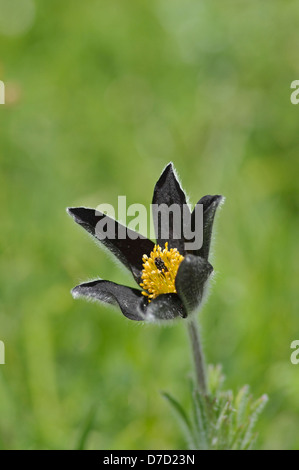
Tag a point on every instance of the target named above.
point(100, 96)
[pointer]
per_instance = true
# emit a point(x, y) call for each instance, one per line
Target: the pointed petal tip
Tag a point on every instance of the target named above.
point(73, 211)
point(169, 186)
point(218, 200)
point(169, 168)
point(215, 198)
point(210, 200)
point(75, 293)
point(222, 199)
point(82, 214)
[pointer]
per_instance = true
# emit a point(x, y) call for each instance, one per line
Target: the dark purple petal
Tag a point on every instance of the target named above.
point(168, 192)
point(165, 307)
point(210, 205)
point(130, 301)
point(191, 279)
point(129, 249)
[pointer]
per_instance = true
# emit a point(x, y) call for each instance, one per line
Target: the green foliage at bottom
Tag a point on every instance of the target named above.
point(222, 420)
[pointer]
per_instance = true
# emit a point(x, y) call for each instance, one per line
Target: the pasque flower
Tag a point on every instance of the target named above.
point(171, 279)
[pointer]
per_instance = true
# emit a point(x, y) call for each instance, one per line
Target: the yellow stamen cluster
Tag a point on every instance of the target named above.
point(160, 270)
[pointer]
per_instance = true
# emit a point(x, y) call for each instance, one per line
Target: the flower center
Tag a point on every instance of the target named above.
point(160, 270)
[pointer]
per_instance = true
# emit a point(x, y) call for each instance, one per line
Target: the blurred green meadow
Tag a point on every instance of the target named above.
point(100, 96)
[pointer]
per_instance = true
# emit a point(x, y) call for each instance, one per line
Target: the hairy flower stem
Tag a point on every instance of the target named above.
point(198, 357)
